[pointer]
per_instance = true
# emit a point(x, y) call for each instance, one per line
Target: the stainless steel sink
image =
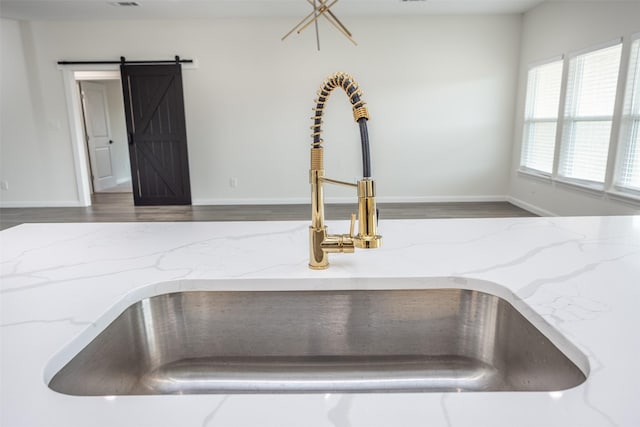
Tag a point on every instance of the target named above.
point(432, 340)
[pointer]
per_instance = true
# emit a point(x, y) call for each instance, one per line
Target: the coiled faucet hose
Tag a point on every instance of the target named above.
point(360, 113)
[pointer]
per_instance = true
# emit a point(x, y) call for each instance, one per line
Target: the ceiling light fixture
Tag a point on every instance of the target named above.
point(321, 8)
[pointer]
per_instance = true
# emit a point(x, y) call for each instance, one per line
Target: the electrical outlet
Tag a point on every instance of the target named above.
point(233, 182)
point(4, 184)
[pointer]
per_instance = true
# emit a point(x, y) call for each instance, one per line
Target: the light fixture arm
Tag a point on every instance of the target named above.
point(321, 8)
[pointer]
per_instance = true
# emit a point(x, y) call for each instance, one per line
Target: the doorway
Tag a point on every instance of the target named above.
point(157, 150)
point(105, 135)
point(73, 77)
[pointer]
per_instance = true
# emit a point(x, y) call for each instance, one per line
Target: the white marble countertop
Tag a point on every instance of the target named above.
point(582, 275)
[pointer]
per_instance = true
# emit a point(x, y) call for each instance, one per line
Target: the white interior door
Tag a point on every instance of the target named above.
point(96, 118)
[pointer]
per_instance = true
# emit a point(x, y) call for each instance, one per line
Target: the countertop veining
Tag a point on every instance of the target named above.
point(581, 274)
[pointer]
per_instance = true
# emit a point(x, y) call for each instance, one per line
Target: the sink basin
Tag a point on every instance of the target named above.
point(417, 340)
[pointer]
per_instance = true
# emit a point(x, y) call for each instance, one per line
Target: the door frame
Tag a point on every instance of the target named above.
point(70, 76)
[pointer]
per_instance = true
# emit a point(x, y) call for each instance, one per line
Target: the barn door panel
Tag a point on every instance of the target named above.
point(154, 109)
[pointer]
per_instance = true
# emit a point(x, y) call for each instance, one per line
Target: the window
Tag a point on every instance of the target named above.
point(591, 91)
point(628, 171)
point(541, 116)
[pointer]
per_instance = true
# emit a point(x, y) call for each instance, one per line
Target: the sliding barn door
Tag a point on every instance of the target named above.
point(154, 110)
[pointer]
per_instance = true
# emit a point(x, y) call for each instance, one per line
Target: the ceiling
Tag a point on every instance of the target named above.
point(188, 9)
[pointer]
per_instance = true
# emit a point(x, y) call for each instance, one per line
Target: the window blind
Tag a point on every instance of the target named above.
point(541, 116)
point(628, 171)
point(591, 92)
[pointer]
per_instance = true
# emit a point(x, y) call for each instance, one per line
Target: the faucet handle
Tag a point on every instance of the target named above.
point(352, 227)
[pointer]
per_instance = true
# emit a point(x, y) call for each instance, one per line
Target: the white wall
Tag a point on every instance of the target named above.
point(440, 92)
point(34, 160)
point(550, 30)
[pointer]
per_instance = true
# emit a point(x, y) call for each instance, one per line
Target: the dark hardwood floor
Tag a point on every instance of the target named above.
point(118, 207)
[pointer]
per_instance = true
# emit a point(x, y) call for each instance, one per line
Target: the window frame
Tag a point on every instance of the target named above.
point(566, 120)
point(522, 168)
point(610, 188)
point(627, 130)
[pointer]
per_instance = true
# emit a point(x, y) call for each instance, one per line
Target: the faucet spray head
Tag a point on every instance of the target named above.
point(367, 237)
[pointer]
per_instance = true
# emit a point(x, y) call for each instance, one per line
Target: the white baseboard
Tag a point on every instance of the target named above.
point(442, 199)
point(41, 204)
point(341, 200)
point(302, 201)
point(256, 201)
point(529, 207)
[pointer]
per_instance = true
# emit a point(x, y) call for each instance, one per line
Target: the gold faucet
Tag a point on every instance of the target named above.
point(321, 244)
